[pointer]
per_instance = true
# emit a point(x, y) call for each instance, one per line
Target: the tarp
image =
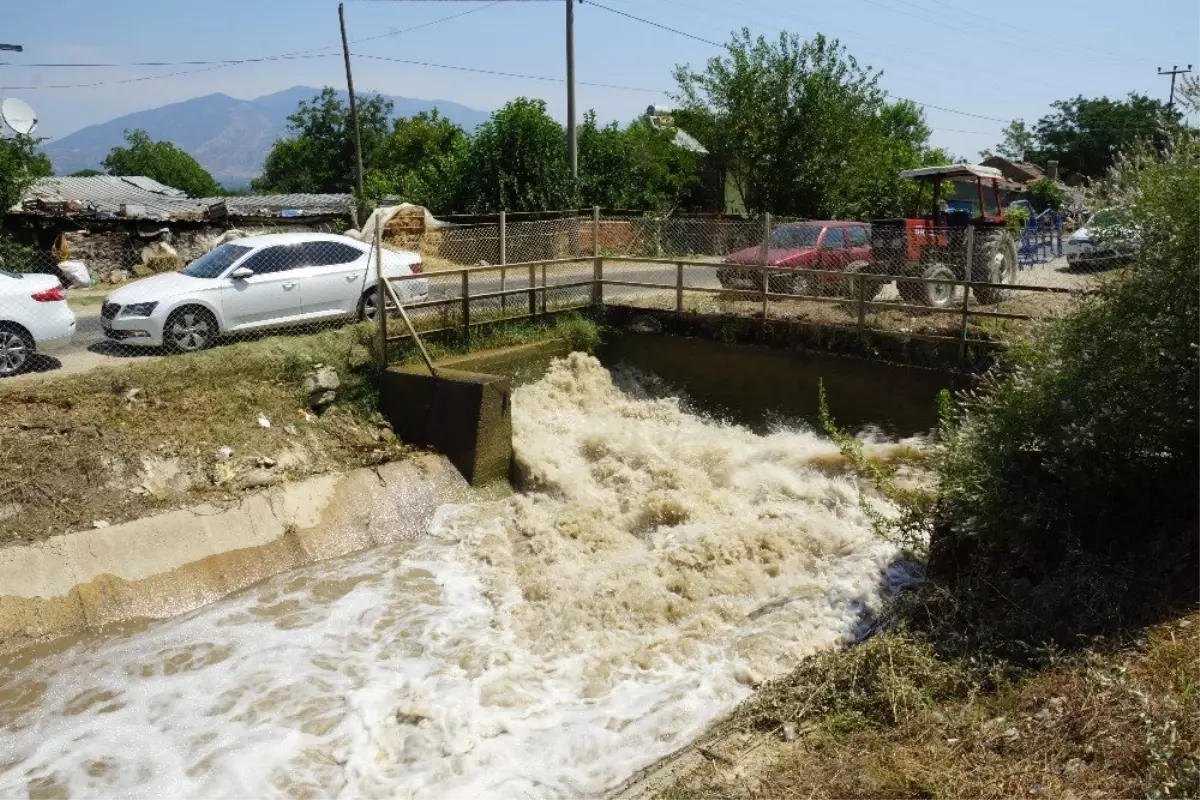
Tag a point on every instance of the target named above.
point(384, 215)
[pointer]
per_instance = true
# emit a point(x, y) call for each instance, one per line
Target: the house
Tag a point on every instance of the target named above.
point(1019, 172)
point(717, 191)
point(109, 220)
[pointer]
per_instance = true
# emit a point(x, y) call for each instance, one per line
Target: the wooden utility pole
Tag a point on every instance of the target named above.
point(358, 177)
point(1173, 71)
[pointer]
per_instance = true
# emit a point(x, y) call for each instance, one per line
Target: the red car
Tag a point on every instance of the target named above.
point(816, 244)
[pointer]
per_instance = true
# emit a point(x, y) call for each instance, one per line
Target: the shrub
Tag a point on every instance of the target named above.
point(1045, 193)
point(1068, 481)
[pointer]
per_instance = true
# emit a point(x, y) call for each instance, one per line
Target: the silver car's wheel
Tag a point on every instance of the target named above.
point(368, 305)
point(15, 349)
point(190, 329)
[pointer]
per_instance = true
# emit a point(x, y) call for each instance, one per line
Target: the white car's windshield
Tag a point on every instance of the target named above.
point(216, 261)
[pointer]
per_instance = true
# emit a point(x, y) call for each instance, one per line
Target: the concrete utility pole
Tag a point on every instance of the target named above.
point(358, 178)
point(572, 141)
point(1173, 71)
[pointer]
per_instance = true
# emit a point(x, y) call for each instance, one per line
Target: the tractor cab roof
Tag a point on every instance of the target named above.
point(951, 172)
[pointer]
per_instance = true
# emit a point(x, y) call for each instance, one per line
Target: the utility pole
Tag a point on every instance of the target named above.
point(572, 141)
point(1173, 71)
point(358, 177)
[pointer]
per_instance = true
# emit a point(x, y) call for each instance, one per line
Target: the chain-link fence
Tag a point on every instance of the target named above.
point(98, 298)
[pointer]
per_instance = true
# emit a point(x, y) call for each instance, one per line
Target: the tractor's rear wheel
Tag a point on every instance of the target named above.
point(999, 261)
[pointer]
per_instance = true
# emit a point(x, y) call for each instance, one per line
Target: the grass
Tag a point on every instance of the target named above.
point(122, 442)
point(890, 718)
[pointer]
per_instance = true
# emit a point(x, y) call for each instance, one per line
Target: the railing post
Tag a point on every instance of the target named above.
point(543, 288)
point(380, 296)
point(466, 306)
point(679, 288)
point(533, 306)
point(765, 257)
point(862, 302)
point(503, 269)
point(962, 345)
point(597, 264)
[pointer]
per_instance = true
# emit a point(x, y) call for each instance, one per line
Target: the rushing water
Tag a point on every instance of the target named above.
point(546, 645)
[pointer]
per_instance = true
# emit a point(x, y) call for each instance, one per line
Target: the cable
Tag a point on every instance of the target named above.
point(726, 47)
point(502, 74)
point(211, 65)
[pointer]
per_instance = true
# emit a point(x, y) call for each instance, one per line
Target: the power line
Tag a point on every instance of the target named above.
point(211, 65)
point(726, 47)
point(483, 71)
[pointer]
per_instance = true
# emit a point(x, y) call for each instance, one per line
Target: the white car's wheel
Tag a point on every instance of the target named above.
point(16, 348)
point(368, 306)
point(189, 329)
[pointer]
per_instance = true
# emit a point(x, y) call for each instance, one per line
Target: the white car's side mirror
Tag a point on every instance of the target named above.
point(241, 273)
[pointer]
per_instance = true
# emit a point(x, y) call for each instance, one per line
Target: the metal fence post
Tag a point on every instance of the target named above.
point(380, 296)
point(466, 305)
point(503, 270)
point(862, 302)
point(679, 288)
point(597, 264)
point(543, 288)
point(765, 258)
point(962, 345)
point(533, 306)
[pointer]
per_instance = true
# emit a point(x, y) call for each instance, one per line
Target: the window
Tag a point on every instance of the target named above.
point(280, 258)
point(326, 254)
point(859, 236)
point(835, 239)
point(793, 237)
point(215, 261)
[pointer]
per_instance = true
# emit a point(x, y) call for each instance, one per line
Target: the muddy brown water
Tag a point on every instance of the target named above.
point(659, 564)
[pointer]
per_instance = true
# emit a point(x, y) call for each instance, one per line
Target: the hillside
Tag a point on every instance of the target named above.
point(230, 137)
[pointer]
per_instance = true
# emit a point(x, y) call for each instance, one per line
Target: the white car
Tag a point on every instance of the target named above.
point(1107, 239)
point(257, 283)
point(34, 318)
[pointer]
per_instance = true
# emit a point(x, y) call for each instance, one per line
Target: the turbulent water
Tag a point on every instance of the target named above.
point(547, 645)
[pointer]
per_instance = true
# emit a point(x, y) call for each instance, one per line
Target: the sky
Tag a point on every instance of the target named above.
point(991, 62)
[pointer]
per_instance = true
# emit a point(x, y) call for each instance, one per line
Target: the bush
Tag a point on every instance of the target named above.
point(1045, 194)
point(16, 257)
point(1068, 481)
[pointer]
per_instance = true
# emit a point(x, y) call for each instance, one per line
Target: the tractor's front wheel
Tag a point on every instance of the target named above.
point(999, 260)
point(936, 295)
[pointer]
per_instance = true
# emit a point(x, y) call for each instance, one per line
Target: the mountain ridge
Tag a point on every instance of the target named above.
point(230, 137)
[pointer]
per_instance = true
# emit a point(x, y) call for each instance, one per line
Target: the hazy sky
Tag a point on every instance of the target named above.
point(999, 60)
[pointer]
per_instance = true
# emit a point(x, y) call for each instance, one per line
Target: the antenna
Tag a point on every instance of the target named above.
point(19, 116)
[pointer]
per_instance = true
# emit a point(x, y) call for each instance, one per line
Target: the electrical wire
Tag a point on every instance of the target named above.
point(503, 74)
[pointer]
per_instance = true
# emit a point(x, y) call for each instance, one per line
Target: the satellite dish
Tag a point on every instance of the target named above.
point(18, 115)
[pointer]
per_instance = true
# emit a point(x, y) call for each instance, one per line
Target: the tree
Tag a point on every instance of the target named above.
point(20, 166)
point(419, 161)
point(1045, 193)
point(1017, 141)
point(517, 161)
point(160, 161)
point(638, 166)
point(319, 155)
point(1085, 135)
point(801, 128)
point(85, 173)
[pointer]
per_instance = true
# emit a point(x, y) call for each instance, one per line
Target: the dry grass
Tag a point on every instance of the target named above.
point(118, 443)
point(886, 719)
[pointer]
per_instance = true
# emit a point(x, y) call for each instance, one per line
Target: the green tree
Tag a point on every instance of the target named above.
point(1045, 194)
point(517, 161)
point(85, 173)
point(638, 166)
point(160, 161)
point(20, 166)
point(319, 154)
point(801, 128)
point(419, 161)
point(1017, 140)
point(1084, 135)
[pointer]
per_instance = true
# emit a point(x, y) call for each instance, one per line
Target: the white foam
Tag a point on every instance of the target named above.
point(545, 646)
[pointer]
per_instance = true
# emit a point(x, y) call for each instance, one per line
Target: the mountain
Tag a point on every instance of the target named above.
point(230, 137)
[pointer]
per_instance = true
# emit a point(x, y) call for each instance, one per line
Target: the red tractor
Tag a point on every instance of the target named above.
point(935, 245)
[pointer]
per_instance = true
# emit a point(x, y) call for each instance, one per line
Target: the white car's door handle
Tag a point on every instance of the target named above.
point(289, 285)
point(352, 278)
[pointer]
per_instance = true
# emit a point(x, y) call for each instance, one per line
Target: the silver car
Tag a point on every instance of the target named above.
point(256, 283)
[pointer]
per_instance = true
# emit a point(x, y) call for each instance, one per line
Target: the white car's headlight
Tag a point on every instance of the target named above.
point(138, 309)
